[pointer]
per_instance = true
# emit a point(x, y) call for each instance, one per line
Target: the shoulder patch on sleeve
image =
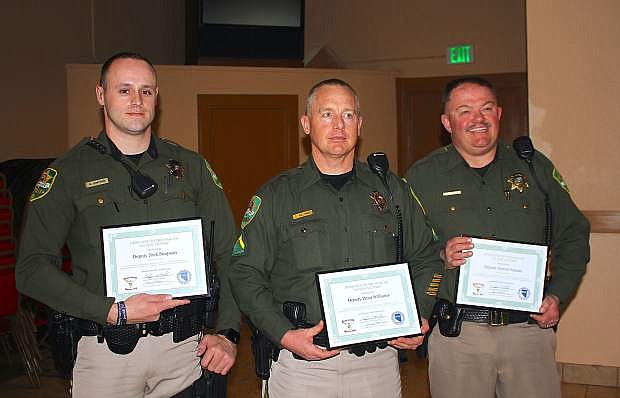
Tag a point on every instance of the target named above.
point(558, 177)
point(251, 211)
point(44, 184)
point(239, 248)
point(213, 175)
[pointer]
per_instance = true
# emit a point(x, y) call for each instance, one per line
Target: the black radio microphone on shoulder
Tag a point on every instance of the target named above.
point(380, 165)
point(524, 147)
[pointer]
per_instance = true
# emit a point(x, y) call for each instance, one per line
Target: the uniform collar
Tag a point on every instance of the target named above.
point(454, 159)
point(310, 173)
point(116, 153)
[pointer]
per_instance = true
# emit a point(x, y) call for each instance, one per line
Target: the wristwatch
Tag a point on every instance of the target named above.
point(230, 334)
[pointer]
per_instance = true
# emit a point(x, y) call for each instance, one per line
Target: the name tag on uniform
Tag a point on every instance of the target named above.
point(302, 214)
point(451, 193)
point(95, 183)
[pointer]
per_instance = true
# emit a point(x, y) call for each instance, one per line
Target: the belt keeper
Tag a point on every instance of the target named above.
point(122, 313)
point(99, 334)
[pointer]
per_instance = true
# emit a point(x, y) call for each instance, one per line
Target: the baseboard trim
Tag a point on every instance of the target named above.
point(594, 375)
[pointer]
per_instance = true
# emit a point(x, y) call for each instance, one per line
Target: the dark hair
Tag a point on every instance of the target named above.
point(122, 55)
point(456, 83)
point(330, 82)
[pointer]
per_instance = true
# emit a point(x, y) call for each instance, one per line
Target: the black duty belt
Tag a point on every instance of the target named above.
point(494, 317)
point(183, 322)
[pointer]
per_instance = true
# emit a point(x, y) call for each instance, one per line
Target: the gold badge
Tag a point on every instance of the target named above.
point(175, 168)
point(517, 181)
point(378, 201)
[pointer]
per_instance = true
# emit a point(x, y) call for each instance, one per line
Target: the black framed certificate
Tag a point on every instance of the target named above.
point(365, 304)
point(503, 275)
point(165, 257)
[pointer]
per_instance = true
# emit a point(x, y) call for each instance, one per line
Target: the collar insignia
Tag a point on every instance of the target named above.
point(378, 201)
point(175, 168)
point(517, 181)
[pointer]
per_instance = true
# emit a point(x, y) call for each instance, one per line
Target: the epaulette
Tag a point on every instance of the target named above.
point(78, 147)
point(169, 141)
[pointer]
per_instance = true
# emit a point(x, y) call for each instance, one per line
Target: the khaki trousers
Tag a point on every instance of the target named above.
point(374, 375)
point(510, 361)
point(157, 367)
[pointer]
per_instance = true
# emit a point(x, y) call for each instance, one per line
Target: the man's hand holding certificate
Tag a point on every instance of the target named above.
point(498, 274)
point(155, 258)
point(368, 304)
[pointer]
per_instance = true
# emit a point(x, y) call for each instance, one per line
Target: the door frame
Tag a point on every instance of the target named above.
point(406, 88)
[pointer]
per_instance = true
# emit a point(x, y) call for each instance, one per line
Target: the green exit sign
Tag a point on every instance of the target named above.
point(460, 54)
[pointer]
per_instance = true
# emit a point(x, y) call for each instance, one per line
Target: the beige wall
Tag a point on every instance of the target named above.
point(574, 83)
point(39, 37)
point(410, 36)
point(180, 85)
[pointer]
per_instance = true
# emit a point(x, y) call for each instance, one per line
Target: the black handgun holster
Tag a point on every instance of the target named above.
point(263, 351)
point(449, 318)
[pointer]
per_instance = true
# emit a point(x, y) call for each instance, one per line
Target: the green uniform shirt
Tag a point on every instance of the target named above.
point(505, 204)
point(298, 224)
point(84, 190)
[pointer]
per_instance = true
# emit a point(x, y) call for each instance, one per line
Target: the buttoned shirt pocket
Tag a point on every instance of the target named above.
point(379, 235)
point(457, 215)
point(524, 219)
point(308, 240)
point(96, 209)
point(178, 200)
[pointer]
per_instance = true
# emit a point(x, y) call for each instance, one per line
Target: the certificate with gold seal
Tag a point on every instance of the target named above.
point(156, 258)
point(368, 304)
point(503, 275)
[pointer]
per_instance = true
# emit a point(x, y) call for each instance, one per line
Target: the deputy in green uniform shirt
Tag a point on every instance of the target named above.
point(478, 186)
point(89, 187)
point(330, 213)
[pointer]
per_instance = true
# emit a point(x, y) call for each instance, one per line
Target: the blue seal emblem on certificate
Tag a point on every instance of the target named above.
point(503, 275)
point(524, 293)
point(368, 304)
point(184, 276)
point(156, 258)
point(398, 318)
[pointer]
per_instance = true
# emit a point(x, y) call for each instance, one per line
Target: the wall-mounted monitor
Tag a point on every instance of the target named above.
point(243, 31)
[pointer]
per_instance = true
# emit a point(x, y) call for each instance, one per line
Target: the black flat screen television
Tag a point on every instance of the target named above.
point(246, 29)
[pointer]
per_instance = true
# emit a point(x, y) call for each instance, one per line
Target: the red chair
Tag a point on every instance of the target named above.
point(18, 324)
point(8, 307)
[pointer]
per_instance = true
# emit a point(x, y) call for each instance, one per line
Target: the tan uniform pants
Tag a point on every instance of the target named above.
point(510, 361)
point(374, 375)
point(157, 367)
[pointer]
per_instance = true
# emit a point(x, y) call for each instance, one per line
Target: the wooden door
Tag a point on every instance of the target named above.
point(248, 139)
point(419, 109)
